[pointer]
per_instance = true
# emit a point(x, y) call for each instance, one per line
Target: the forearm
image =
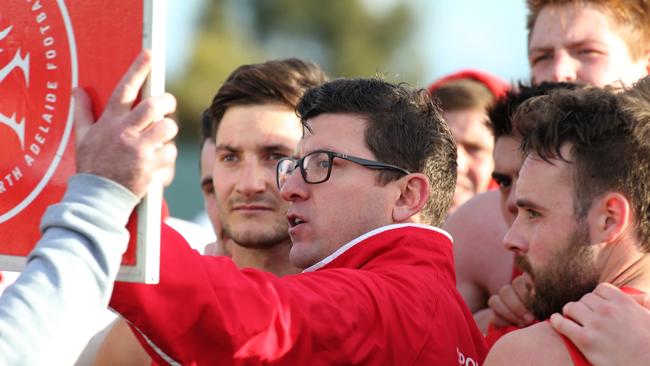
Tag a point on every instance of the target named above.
point(68, 277)
point(207, 311)
point(203, 284)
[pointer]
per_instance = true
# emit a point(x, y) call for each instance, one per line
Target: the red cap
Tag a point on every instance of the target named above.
point(496, 85)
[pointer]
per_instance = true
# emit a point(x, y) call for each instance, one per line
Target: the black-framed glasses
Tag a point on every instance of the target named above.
point(316, 166)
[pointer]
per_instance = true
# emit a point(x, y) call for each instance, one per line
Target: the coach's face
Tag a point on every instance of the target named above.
point(323, 217)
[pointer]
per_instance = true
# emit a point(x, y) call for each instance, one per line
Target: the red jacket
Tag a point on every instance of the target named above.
point(388, 299)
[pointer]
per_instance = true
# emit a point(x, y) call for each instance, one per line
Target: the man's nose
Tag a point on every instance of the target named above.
point(564, 68)
point(294, 187)
point(514, 240)
point(253, 178)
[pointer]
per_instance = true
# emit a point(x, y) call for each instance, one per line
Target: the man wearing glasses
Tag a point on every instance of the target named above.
point(375, 165)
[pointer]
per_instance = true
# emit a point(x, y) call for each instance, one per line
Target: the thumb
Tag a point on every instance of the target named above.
point(83, 114)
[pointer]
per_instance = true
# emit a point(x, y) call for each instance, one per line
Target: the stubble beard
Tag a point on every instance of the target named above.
point(248, 233)
point(277, 233)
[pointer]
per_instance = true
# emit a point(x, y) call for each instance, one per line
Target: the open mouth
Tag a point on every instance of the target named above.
point(295, 220)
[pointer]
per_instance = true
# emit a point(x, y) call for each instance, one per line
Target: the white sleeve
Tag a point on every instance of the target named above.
point(46, 315)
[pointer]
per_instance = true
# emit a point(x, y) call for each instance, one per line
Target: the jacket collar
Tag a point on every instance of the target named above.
point(368, 235)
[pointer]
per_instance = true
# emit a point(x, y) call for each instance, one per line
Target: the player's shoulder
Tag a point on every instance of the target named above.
point(536, 345)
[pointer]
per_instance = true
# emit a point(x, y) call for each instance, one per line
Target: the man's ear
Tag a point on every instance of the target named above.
point(610, 217)
point(415, 189)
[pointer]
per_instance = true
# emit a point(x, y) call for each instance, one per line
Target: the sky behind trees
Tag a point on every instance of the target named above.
point(449, 34)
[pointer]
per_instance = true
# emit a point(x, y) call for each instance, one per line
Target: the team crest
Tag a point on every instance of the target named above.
point(37, 71)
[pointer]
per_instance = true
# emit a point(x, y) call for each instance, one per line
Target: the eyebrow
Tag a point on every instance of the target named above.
point(524, 203)
point(479, 144)
point(326, 148)
point(225, 147)
point(276, 147)
point(571, 45)
point(265, 148)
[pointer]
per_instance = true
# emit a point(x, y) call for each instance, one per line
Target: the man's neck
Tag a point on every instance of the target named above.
point(633, 272)
point(274, 259)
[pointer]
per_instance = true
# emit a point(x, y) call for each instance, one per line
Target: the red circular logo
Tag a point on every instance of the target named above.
point(37, 72)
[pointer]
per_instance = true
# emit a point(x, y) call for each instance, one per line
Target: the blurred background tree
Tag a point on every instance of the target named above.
point(416, 41)
point(346, 37)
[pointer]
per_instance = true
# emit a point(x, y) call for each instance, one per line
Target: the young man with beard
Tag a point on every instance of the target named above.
point(474, 286)
point(600, 323)
point(595, 42)
point(580, 220)
point(254, 124)
point(375, 160)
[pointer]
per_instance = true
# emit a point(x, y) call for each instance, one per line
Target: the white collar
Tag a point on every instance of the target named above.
point(365, 236)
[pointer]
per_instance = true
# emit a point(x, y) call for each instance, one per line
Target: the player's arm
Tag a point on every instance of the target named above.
point(537, 345)
point(45, 315)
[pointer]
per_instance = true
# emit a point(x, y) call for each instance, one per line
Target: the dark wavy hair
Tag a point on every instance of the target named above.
point(609, 139)
point(276, 81)
point(405, 128)
point(501, 113)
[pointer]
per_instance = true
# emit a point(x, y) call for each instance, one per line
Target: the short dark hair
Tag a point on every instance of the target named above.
point(463, 94)
point(276, 81)
point(501, 113)
point(405, 128)
point(635, 102)
point(609, 136)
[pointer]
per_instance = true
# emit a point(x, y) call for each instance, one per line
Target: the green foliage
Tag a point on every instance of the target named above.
point(344, 36)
